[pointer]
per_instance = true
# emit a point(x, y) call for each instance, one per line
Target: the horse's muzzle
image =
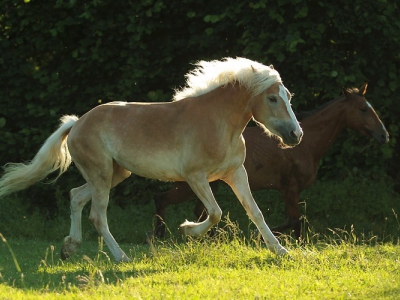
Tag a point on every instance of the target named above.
point(382, 137)
point(292, 137)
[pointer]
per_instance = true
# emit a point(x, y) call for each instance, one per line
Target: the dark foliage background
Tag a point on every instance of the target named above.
point(66, 56)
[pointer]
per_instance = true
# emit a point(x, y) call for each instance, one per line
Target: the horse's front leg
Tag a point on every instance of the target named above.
point(238, 181)
point(201, 188)
point(179, 193)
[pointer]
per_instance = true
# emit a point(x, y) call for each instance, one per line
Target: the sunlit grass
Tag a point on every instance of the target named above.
point(228, 265)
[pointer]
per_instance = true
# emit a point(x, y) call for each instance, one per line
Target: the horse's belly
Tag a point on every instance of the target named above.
point(176, 166)
point(165, 169)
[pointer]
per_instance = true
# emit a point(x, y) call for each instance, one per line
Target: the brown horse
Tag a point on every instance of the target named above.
point(291, 170)
point(197, 138)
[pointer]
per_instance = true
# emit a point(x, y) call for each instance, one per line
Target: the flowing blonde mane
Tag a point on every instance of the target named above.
point(208, 75)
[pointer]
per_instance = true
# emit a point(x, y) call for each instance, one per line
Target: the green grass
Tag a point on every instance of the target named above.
point(351, 251)
point(370, 208)
point(227, 266)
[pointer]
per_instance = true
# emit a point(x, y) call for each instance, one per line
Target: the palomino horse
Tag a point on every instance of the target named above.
point(291, 170)
point(196, 138)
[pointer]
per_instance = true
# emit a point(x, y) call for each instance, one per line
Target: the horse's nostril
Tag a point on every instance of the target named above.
point(292, 134)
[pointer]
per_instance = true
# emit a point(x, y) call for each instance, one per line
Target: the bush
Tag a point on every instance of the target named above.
point(65, 57)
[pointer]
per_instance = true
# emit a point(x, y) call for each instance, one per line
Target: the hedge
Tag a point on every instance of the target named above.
point(65, 57)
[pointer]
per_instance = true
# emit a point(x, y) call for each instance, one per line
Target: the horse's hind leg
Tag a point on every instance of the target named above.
point(79, 197)
point(101, 185)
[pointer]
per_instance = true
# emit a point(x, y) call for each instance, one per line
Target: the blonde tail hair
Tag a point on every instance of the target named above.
point(53, 155)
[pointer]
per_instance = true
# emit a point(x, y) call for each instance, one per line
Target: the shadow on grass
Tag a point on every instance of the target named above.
point(35, 265)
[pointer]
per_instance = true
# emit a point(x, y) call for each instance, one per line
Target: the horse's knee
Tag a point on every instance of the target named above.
point(79, 197)
point(73, 195)
point(75, 204)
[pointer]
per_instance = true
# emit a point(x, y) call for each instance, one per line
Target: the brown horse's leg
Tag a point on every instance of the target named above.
point(278, 230)
point(179, 193)
point(291, 199)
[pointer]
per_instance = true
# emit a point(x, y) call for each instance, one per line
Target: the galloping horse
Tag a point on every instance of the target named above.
point(196, 138)
point(290, 171)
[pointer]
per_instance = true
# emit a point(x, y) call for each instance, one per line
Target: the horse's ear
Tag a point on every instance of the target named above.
point(254, 70)
point(363, 89)
point(272, 67)
point(346, 92)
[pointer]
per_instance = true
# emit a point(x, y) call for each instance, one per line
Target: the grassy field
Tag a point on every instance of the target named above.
point(351, 250)
point(227, 266)
point(368, 208)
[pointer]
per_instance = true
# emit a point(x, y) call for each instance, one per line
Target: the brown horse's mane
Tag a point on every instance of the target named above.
point(301, 115)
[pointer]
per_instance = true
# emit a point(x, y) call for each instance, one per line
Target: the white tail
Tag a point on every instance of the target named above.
point(53, 155)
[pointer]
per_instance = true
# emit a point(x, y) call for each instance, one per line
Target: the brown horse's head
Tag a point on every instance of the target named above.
point(362, 116)
point(272, 110)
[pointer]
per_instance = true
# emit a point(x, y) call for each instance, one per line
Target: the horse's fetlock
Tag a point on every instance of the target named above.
point(215, 216)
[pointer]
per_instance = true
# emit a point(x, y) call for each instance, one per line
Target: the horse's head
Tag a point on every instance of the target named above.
point(272, 110)
point(362, 116)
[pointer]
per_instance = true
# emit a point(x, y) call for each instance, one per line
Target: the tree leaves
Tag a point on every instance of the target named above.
point(62, 56)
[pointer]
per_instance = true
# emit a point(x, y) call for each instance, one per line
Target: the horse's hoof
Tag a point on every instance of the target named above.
point(64, 253)
point(182, 230)
point(184, 227)
point(282, 252)
point(125, 259)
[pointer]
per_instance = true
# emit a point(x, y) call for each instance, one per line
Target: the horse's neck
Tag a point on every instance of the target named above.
point(233, 101)
point(322, 128)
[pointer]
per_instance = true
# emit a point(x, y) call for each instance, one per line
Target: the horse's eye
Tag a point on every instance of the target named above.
point(272, 99)
point(364, 109)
